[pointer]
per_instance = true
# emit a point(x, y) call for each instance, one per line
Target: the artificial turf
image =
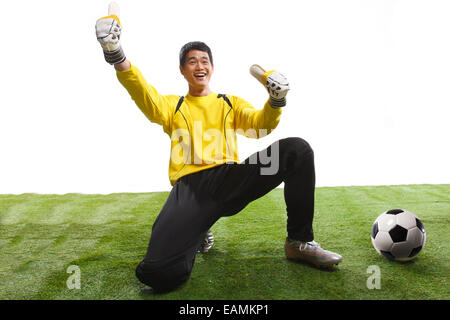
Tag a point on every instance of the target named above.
point(106, 236)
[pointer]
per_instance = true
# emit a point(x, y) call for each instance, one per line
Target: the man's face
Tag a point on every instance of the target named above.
point(197, 69)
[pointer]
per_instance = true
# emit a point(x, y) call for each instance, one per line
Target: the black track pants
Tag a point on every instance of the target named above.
point(198, 200)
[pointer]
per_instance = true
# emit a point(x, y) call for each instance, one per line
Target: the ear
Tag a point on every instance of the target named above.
point(182, 70)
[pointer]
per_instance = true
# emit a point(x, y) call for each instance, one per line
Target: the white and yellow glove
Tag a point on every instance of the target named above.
point(107, 30)
point(275, 82)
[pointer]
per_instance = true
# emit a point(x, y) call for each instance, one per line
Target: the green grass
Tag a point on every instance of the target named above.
point(107, 236)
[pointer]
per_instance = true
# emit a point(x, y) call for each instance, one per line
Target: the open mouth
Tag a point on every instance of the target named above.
point(200, 76)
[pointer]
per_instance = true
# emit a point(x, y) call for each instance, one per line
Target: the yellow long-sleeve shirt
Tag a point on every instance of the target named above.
point(202, 129)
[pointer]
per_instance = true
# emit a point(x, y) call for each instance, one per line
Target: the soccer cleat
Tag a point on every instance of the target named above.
point(311, 252)
point(207, 243)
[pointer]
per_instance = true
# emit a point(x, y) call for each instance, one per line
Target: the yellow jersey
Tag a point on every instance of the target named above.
point(202, 129)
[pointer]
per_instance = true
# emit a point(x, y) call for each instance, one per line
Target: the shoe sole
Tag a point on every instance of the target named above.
point(320, 266)
point(330, 266)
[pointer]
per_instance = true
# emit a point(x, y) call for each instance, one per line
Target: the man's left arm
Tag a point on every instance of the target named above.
point(254, 123)
point(258, 123)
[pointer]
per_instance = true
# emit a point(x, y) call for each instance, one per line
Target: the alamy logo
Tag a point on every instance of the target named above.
point(374, 281)
point(209, 146)
point(74, 281)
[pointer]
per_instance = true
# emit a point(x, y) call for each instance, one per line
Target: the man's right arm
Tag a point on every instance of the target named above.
point(156, 107)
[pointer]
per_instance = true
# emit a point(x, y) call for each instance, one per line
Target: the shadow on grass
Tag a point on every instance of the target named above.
point(220, 275)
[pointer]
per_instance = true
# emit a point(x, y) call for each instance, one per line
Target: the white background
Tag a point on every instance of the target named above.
point(370, 88)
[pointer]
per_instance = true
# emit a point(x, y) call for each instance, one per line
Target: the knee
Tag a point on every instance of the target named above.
point(164, 277)
point(296, 145)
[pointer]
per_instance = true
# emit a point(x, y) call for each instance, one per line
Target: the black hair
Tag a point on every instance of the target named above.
point(194, 45)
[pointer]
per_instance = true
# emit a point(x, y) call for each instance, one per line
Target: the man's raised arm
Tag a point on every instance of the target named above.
point(156, 107)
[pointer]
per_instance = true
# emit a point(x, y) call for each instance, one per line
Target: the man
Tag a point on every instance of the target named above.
point(208, 180)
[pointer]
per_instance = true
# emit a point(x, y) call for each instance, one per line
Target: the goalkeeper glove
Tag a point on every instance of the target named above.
point(275, 83)
point(278, 86)
point(108, 32)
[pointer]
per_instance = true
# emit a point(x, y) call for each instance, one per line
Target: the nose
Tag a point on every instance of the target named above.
point(198, 67)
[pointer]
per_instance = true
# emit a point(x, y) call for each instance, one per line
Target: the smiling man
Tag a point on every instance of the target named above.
point(197, 68)
point(209, 181)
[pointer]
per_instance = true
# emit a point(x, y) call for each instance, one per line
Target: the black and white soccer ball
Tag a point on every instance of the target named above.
point(398, 235)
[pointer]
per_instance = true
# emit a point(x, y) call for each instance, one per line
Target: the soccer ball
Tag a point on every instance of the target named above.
point(398, 235)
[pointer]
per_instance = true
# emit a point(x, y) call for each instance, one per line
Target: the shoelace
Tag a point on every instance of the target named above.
point(304, 245)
